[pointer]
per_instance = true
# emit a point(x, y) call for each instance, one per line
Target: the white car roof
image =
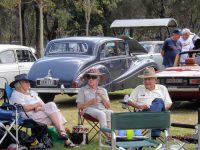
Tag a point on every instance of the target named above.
point(10, 46)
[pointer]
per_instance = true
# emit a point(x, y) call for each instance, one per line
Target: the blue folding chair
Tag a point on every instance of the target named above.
point(10, 119)
point(38, 131)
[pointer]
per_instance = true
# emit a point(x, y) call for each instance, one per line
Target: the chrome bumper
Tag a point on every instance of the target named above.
point(175, 89)
point(56, 90)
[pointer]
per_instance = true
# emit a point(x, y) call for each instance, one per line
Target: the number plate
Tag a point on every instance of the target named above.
point(47, 82)
point(174, 80)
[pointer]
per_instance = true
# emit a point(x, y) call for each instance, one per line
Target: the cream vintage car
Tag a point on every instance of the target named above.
point(14, 60)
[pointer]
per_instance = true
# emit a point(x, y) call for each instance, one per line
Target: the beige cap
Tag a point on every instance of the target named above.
point(149, 72)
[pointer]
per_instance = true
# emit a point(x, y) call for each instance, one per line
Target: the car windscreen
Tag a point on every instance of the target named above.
point(147, 46)
point(79, 48)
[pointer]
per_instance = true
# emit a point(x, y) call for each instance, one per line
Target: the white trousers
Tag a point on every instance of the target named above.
point(103, 116)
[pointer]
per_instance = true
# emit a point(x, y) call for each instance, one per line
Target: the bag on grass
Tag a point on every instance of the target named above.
point(79, 135)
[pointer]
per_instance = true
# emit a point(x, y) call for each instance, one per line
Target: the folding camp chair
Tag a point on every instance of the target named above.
point(94, 123)
point(182, 140)
point(38, 131)
point(188, 139)
point(137, 120)
point(9, 119)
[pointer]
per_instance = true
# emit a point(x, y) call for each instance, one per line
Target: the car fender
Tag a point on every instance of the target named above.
point(135, 68)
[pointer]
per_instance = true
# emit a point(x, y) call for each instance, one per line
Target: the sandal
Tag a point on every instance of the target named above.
point(62, 135)
point(70, 145)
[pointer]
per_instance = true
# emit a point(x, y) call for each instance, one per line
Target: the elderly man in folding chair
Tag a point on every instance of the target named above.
point(150, 96)
point(36, 109)
point(93, 99)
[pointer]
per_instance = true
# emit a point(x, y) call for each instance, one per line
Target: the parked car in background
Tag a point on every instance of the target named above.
point(66, 60)
point(182, 81)
point(153, 48)
point(14, 60)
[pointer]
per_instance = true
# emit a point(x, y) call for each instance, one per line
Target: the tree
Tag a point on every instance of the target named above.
point(11, 4)
point(88, 5)
point(41, 5)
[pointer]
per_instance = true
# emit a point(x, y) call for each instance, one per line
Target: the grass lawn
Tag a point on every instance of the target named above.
point(181, 112)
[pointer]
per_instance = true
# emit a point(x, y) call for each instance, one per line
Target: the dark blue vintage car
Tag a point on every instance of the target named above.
point(66, 59)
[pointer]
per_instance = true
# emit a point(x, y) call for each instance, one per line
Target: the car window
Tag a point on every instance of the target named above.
point(25, 56)
point(71, 47)
point(158, 48)
point(121, 48)
point(109, 50)
point(147, 46)
point(7, 57)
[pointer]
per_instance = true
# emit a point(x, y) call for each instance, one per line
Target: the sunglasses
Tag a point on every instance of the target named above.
point(91, 77)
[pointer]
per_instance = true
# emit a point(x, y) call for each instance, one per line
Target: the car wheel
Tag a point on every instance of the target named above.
point(1, 93)
point(47, 97)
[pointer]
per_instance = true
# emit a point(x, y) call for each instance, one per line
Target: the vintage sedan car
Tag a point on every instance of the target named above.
point(14, 60)
point(153, 48)
point(182, 81)
point(66, 60)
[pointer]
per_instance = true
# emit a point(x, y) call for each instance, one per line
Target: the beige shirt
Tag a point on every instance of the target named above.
point(143, 96)
point(86, 94)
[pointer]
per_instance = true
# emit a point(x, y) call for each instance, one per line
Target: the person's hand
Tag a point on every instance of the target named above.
point(38, 109)
point(143, 107)
point(39, 104)
point(92, 102)
point(99, 93)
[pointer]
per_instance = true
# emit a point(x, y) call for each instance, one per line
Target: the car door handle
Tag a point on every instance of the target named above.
point(151, 56)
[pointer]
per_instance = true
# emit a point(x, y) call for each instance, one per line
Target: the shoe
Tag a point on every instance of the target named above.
point(70, 145)
point(62, 135)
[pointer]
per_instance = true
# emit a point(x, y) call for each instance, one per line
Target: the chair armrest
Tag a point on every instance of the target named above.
point(106, 130)
point(8, 106)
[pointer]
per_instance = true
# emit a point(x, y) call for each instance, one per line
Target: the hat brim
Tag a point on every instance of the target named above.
point(142, 76)
point(12, 84)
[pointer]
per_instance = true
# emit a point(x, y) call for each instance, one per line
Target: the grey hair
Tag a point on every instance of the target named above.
point(186, 30)
point(17, 85)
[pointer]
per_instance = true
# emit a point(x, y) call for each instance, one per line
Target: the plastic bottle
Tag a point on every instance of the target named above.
point(125, 102)
point(122, 132)
point(129, 134)
point(137, 132)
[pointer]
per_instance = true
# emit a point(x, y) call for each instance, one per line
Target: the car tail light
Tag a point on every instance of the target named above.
point(194, 81)
point(74, 84)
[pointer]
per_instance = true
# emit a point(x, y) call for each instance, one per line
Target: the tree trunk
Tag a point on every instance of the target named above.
point(20, 22)
point(23, 8)
point(37, 30)
point(41, 28)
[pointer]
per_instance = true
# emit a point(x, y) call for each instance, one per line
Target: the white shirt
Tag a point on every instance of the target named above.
point(86, 94)
point(186, 46)
point(20, 98)
point(143, 96)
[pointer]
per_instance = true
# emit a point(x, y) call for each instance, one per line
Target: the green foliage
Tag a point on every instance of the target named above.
point(9, 4)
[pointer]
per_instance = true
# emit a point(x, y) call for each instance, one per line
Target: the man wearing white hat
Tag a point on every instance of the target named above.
point(150, 96)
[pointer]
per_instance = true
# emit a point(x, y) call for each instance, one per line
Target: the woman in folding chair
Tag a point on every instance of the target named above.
point(150, 96)
point(36, 109)
point(93, 99)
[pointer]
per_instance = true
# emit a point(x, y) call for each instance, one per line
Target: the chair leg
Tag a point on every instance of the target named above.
point(100, 141)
